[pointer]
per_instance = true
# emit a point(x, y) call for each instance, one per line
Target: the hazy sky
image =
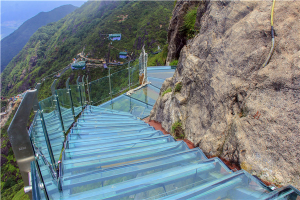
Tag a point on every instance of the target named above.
point(15, 13)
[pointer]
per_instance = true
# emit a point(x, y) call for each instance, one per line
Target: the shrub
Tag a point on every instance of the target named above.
point(166, 91)
point(177, 130)
point(178, 87)
point(188, 27)
point(174, 62)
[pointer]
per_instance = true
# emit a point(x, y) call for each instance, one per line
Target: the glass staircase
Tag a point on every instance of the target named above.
point(109, 153)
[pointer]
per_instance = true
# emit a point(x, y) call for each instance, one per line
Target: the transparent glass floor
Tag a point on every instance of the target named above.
point(111, 154)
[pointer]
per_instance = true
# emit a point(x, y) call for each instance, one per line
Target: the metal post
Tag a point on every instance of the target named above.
point(53, 90)
point(88, 89)
point(83, 91)
point(35, 100)
point(47, 137)
point(70, 95)
point(40, 176)
point(109, 84)
point(55, 96)
point(145, 73)
point(129, 75)
point(79, 88)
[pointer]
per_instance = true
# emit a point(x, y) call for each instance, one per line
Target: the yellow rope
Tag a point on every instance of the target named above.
point(272, 12)
point(273, 37)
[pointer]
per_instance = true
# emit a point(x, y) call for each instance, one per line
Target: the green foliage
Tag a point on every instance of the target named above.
point(21, 195)
point(53, 46)
point(16, 192)
point(3, 103)
point(167, 91)
point(178, 87)
point(9, 183)
point(158, 59)
point(189, 23)
point(177, 130)
point(10, 174)
point(174, 62)
point(165, 52)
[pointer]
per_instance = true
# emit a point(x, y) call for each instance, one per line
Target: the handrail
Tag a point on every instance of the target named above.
point(19, 137)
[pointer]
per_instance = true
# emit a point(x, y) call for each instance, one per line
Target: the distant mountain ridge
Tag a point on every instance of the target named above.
point(52, 47)
point(13, 43)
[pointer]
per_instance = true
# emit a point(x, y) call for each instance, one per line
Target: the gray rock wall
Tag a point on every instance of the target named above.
point(229, 105)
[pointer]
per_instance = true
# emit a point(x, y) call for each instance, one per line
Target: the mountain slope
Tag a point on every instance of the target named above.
point(53, 46)
point(13, 44)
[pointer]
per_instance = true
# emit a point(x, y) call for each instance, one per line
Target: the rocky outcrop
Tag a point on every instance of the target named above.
point(176, 38)
point(229, 105)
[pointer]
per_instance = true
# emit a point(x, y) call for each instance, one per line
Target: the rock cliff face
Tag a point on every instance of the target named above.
point(177, 39)
point(229, 105)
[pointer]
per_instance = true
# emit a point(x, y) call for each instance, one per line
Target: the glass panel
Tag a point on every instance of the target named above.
point(147, 94)
point(127, 104)
point(99, 91)
point(134, 76)
point(53, 126)
point(76, 99)
point(37, 136)
point(159, 68)
point(37, 192)
point(157, 82)
point(83, 92)
point(65, 107)
point(162, 74)
point(119, 81)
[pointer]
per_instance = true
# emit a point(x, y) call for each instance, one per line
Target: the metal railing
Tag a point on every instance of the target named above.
point(41, 148)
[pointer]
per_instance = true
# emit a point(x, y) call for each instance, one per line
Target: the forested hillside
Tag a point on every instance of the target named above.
point(12, 44)
point(53, 46)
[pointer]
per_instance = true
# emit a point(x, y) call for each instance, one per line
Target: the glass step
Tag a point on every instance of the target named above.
point(80, 143)
point(119, 145)
point(101, 178)
point(103, 135)
point(145, 186)
point(115, 127)
point(113, 160)
point(94, 131)
point(238, 185)
point(283, 193)
point(147, 143)
point(114, 138)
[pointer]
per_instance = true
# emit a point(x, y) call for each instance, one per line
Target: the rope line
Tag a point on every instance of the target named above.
point(273, 37)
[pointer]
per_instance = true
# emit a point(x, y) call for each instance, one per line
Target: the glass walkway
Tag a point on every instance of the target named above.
point(109, 153)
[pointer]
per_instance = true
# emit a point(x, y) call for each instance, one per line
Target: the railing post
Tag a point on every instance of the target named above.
point(109, 84)
point(129, 74)
point(35, 163)
point(83, 91)
point(70, 95)
point(88, 89)
point(55, 96)
point(79, 88)
point(47, 137)
point(35, 100)
point(145, 56)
